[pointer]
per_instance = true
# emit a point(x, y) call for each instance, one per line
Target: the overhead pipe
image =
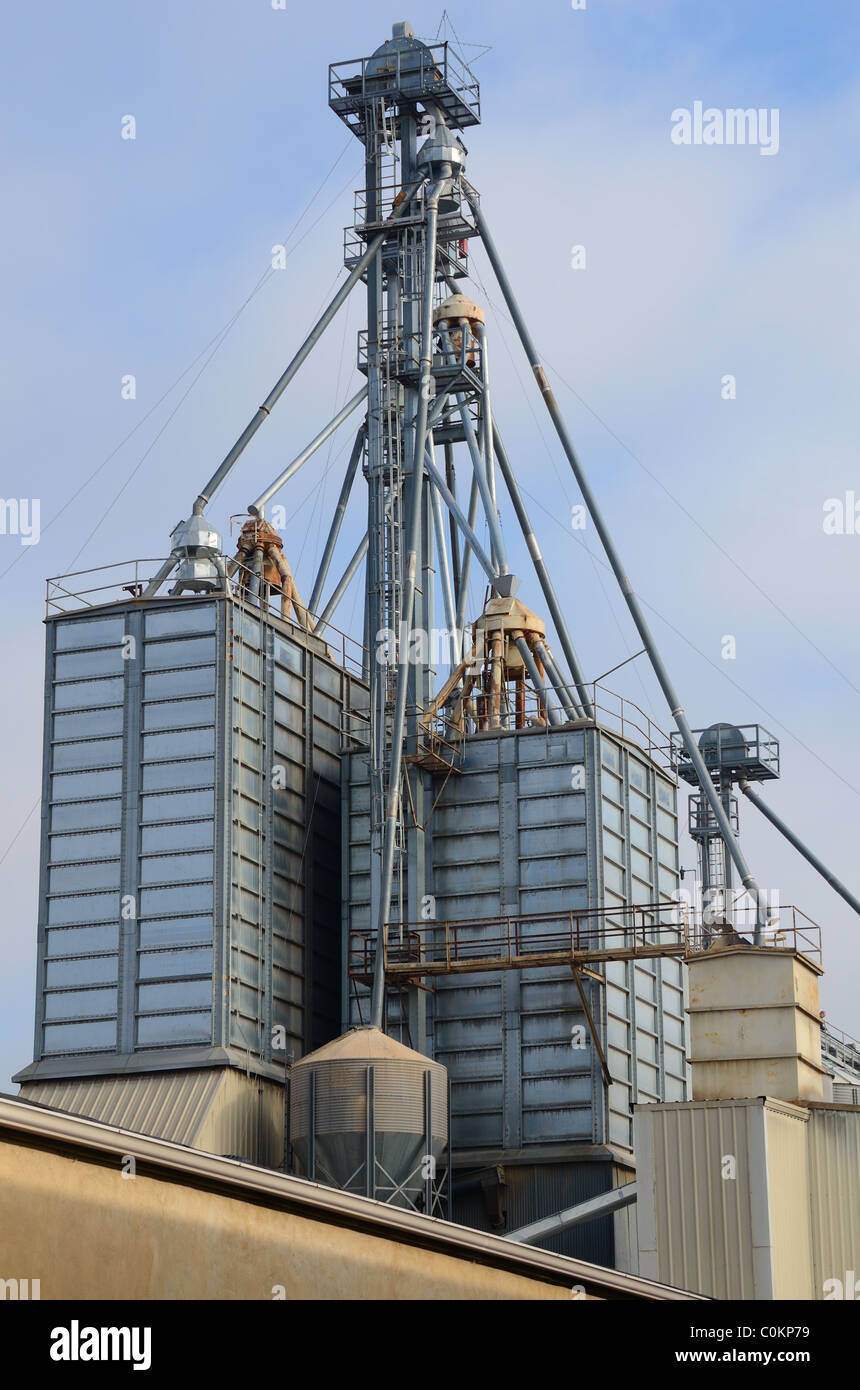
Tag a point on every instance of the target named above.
point(306, 348)
point(256, 508)
point(708, 789)
point(798, 844)
point(337, 519)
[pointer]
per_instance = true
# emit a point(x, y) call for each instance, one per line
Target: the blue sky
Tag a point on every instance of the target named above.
point(131, 256)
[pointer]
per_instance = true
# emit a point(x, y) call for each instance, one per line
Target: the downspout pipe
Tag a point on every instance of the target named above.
point(543, 653)
point(705, 782)
point(445, 576)
point(337, 519)
point(450, 479)
point(487, 412)
point(775, 820)
point(310, 342)
point(479, 465)
point(466, 566)
point(475, 545)
point(256, 507)
point(346, 580)
point(522, 645)
point(546, 584)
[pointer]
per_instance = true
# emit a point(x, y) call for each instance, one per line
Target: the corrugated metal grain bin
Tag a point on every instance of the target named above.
point(190, 840)
point(723, 1197)
point(543, 821)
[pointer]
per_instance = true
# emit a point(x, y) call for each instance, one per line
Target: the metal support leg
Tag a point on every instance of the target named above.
point(312, 1126)
point(159, 577)
point(370, 1136)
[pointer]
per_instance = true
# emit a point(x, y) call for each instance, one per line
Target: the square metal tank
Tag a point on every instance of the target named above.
point(543, 821)
point(188, 904)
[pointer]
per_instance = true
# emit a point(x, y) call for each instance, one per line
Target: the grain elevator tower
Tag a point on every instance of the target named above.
point(433, 836)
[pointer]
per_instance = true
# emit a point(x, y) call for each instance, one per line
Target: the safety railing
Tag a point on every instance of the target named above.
point(404, 354)
point(127, 579)
point(582, 937)
point(432, 70)
point(624, 717)
point(432, 741)
point(839, 1046)
point(67, 593)
point(746, 748)
point(510, 942)
point(789, 929)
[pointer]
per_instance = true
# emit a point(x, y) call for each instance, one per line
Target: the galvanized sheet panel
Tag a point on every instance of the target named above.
point(191, 717)
point(703, 1231)
point(834, 1188)
point(723, 1197)
point(509, 831)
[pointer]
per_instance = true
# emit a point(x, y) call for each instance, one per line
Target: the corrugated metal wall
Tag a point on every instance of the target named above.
point(723, 1198)
point(218, 1109)
point(183, 738)
point(701, 1230)
point(834, 1171)
point(788, 1188)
